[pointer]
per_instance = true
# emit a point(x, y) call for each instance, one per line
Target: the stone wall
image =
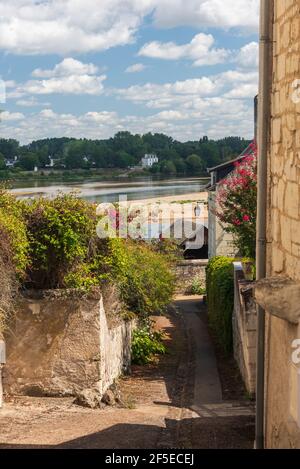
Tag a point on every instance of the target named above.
point(220, 243)
point(2, 361)
point(60, 344)
point(187, 272)
point(282, 390)
point(244, 324)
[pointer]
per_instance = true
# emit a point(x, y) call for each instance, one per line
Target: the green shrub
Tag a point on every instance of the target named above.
point(13, 253)
point(8, 292)
point(145, 277)
point(145, 345)
point(197, 287)
point(220, 297)
point(54, 242)
point(60, 232)
point(14, 245)
point(168, 247)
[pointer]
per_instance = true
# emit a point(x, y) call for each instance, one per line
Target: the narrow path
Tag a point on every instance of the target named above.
point(207, 385)
point(207, 421)
point(174, 403)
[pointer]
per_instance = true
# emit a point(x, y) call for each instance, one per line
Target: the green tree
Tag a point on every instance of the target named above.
point(157, 142)
point(101, 155)
point(2, 162)
point(168, 154)
point(43, 156)
point(180, 166)
point(28, 161)
point(155, 168)
point(74, 155)
point(124, 160)
point(168, 167)
point(210, 154)
point(195, 164)
point(9, 148)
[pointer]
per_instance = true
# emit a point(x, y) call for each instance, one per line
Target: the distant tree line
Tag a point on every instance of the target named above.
point(124, 150)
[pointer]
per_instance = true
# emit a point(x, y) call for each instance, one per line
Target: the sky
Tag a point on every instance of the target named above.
point(91, 68)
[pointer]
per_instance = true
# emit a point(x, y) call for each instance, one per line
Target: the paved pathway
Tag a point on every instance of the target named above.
point(207, 385)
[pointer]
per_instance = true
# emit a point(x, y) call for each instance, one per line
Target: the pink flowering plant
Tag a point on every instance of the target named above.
point(236, 203)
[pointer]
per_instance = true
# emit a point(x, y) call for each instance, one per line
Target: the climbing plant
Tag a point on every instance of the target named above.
point(237, 201)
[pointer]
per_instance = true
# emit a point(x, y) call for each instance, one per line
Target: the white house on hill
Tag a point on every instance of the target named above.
point(149, 160)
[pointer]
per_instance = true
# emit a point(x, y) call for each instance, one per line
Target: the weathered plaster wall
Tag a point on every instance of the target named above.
point(220, 243)
point(60, 344)
point(188, 271)
point(283, 222)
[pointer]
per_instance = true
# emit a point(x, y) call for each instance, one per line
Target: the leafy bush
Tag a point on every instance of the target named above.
point(14, 245)
point(55, 243)
point(197, 287)
point(167, 246)
point(7, 293)
point(13, 253)
point(220, 297)
point(145, 345)
point(145, 277)
point(60, 232)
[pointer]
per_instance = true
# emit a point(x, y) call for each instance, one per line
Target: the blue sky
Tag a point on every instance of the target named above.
point(90, 68)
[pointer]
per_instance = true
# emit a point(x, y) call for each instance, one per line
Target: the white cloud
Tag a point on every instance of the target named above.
point(56, 26)
point(31, 102)
point(242, 14)
point(74, 84)
point(103, 117)
point(246, 90)
point(189, 119)
point(160, 96)
point(200, 50)
point(185, 93)
point(248, 56)
point(11, 116)
point(79, 26)
point(10, 84)
point(135, 68)
point(68, 77)
point(170, 116)
point(48, 123)
point(68, 66)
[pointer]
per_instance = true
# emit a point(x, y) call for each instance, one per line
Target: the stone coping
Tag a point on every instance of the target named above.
point(280, 297)
point(62, 294)
point(194, 262)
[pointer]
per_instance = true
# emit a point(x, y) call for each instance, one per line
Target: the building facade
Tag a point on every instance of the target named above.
point(220, 242)
point(279, 294)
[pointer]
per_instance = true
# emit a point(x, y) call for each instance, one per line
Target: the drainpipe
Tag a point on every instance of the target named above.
point(264, 111)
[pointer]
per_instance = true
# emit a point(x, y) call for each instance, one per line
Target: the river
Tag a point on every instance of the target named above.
point(110, 191)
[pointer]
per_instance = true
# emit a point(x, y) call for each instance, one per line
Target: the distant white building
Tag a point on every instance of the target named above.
point(11, 163)
point(51, 163)
point(149, 160)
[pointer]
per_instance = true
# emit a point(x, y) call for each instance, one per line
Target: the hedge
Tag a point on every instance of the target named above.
point(220, 297)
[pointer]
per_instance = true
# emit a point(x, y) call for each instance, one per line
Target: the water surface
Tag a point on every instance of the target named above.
point(110, 191)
